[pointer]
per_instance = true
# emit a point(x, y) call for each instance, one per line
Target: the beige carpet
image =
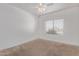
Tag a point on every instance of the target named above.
point(41, 47)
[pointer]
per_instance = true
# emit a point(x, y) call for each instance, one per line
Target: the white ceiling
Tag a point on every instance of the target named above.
point(52, 7)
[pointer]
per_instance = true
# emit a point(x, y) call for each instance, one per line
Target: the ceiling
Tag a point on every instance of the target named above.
point(51, 7)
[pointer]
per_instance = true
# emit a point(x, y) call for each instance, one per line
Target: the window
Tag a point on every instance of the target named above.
point(54, 26)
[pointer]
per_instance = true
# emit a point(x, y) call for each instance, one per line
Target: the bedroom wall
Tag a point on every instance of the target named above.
point(16, 26)
point(71, 26)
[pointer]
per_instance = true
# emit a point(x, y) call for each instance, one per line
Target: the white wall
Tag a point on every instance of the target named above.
point(71, 26)
point(16, 26)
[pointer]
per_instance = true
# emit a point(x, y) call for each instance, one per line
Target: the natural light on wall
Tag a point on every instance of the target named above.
point(54, 26)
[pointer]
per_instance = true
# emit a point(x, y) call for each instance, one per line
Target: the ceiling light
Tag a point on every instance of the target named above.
point(41, 8)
